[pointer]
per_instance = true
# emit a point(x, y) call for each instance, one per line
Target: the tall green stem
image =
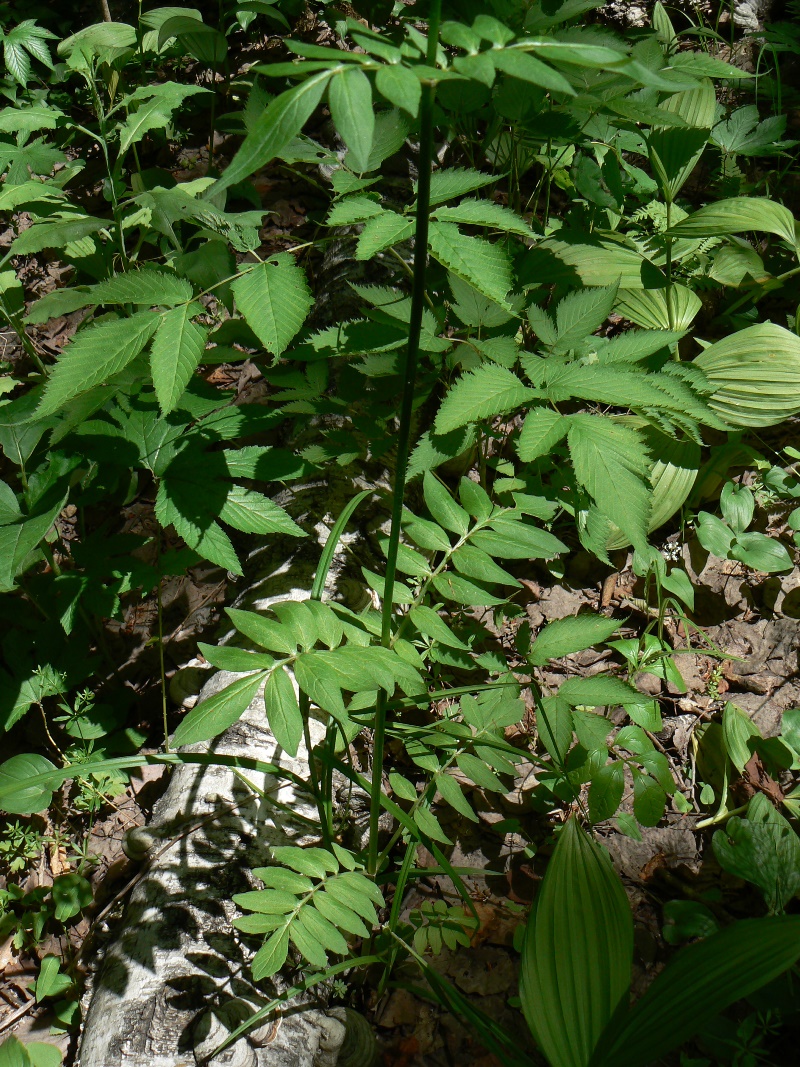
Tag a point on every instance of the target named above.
point(406, 406)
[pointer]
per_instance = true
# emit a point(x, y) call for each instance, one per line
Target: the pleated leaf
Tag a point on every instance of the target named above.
point(699, 982)
point(740, 214)
point(578, 950)
point(275, 299)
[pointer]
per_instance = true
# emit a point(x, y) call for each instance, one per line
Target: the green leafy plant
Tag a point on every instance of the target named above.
point(729, 538)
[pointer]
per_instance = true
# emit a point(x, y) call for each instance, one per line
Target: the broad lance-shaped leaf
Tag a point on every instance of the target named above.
point(738, 215)
point(283, 119)
point(487, 391)
point(578, 950)
point(177, 349)
point(283, 710)
point(485, 213)
point(697, 984)
point(274, 298)
point(95, 355)
point(484, 265)
point(214, 715)
point(350, 99)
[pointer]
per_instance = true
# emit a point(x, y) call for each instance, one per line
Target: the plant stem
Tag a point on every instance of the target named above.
point(404, 431)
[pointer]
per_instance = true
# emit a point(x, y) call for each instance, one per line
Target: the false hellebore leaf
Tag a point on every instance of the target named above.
point(578, 950)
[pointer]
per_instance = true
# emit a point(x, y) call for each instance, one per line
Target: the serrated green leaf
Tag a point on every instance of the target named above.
point(350, 100)
point(573, 634)
point(56, 234)
point(610, 461)
point(144, 286)
point(214, 715)
point(177, 349)
point(428, 824)
point(483, 393)
point(581, 313)
point(382, 232)
point(283, 119)
point(274, 299)
point(252, 512)
point(484, 213)
point(484, 265)
point(452, 182)
point(452, 794)
point(542, 430)
point(529, 69)
point(95, 355)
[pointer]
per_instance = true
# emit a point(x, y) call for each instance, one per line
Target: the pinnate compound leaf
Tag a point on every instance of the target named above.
point(177, 349)
point(350, 99)
point(283, 119)
point(274, 299)
point(610, 462)
point(484, 265)
point(487, 391)
point(95, 355)
point(283, 710)
point(578, 950)
point(214, 715)
point(573, 634)
point(699, 982)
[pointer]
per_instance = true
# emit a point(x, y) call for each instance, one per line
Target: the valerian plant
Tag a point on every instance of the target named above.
point(490, 348)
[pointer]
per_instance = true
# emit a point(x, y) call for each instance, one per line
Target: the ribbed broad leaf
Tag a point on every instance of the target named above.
point(576, 960)
point(350, 100)
point(484, 265)
point(756, 375)
point(274, 298)
point(738, 215)
point(489, 390)
point(95, 355)
point(177, 349)
point(701, 981)
point(675, 152)
point(572, 634)
point(648, 307)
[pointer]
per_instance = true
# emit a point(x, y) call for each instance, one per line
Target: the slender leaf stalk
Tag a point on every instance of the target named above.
point(406, 406)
